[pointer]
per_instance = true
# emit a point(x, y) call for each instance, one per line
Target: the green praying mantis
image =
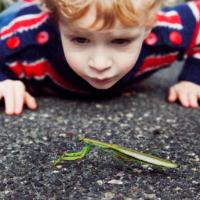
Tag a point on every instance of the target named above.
point(118, 151)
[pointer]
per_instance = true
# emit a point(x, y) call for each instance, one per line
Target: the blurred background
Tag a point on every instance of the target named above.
point(5, 3)
point(172, 2)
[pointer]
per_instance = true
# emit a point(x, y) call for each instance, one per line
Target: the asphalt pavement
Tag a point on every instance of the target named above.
point(141, 120)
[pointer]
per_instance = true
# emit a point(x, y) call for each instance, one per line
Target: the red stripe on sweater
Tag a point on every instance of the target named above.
point(39, 70)
point(26, 23)
point(195, 50)
point(173, 19)
point(152, 63)
point(196, 33)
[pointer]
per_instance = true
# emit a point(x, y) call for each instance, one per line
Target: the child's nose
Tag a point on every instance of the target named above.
point(100, 64)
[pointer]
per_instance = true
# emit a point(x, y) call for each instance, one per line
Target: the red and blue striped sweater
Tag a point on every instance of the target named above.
point(31, 49)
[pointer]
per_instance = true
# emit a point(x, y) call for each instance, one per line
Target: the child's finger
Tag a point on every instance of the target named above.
point(193, 100)
point(30, 101)
point(172, 95)
point(19, 90)
point(9, 100)
point(184, 99)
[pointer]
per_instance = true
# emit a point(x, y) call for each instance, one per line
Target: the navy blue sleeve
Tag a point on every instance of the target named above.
point(21, 25)
point(6, 17)
point(191, 68)
point(3, 75)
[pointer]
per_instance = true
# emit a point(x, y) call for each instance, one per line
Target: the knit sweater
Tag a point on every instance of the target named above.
point(31, 50)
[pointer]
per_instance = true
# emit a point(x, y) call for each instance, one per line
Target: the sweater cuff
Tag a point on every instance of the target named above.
point(3, 76)
point(191, 71)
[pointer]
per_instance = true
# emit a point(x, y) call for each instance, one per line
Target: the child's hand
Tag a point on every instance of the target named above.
point(15, 96)
point(186, 92)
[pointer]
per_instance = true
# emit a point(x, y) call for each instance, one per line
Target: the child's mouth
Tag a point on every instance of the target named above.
point(101, 81)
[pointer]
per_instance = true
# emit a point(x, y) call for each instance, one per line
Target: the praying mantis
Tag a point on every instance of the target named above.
point(118, 151)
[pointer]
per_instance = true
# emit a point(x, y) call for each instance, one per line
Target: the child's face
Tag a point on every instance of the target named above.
point(102, 58)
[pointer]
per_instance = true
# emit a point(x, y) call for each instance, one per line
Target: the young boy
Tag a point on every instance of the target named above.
point(100, 47)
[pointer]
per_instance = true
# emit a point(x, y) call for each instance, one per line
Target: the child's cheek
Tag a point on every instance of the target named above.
point(127, 62)
point(75, 61)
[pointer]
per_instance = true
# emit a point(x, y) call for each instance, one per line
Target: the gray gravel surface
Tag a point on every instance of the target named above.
point(141, 120)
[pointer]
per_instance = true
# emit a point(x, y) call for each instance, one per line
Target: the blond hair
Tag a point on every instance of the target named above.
point(128, 12)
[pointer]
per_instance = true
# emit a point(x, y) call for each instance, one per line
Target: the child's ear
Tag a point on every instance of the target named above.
point(147, 31)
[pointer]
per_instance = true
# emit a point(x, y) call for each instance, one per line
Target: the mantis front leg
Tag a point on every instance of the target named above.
point(73, 155)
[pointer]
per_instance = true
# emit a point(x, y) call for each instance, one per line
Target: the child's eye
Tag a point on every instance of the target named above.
point(80, 40)
point(121, 42)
